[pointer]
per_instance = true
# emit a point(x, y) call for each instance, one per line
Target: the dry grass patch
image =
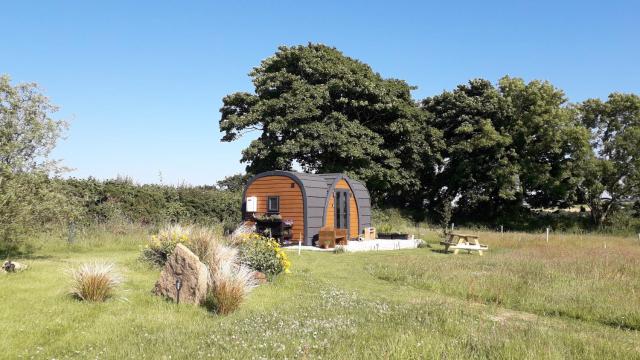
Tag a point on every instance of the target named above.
point(94, 281)
point(570, 276)
point(231, 281)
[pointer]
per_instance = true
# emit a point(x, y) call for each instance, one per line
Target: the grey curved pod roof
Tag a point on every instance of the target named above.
point(315, 197)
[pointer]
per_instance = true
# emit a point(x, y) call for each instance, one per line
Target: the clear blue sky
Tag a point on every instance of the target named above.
point(142, 82)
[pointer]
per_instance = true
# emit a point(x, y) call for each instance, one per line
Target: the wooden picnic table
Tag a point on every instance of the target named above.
point(457, 242)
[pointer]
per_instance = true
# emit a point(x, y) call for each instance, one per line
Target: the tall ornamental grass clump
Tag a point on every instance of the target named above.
point(230, 280)
point(94, 282)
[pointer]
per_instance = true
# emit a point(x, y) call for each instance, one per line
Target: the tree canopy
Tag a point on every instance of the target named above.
point(613, 174)
point(514, 144)
point(492, 149)
point(28, 133)
point(326, 112)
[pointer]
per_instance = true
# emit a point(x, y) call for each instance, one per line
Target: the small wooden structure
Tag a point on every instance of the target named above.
point(467, 242)
point(308, 203)
point(369, 233)
point(329, 237)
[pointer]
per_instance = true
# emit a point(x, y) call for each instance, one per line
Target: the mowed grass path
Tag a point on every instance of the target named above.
point(524, 299)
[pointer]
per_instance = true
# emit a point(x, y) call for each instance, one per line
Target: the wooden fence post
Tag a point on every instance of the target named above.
point(547, 234)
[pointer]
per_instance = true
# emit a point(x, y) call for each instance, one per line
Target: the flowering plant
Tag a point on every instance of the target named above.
point(160, 246)
point(268, 217)
point(263, 254)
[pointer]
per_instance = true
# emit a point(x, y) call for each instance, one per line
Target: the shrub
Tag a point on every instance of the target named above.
point(390, 220)
point(636, 209)
point(263, 254)
point(94, 281)
point(339, 249)
point(201, 240)
point(162, 245)
point(423, 244)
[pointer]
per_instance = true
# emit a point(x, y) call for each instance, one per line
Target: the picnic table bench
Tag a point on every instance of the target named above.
point(459, 242)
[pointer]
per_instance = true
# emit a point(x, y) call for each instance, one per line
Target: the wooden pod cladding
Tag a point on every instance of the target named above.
point(311, 201)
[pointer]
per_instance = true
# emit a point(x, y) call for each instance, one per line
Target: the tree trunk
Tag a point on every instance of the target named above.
point(600, 211)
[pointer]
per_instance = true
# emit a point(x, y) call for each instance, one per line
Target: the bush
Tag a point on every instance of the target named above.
point(29, 203)
point(263, 254)
point(162, 245)
point(121, 198)
point(94, 281)
point(201, 240)
point(423, 245)
point(340, 249)
point(390, 220)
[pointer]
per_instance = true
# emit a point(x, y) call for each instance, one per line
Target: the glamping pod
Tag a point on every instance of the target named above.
point(294, 206)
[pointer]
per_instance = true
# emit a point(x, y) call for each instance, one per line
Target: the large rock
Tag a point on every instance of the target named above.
point(186, 266)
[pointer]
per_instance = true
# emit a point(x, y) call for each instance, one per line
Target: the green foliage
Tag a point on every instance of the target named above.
point(636, 209)
point(340, 249)
point(29, 199)
point(160, 246)
point(423, 245)
point(201, 240)
point(122, 200)
point(28, 132)
point(330, 113)
point(505, 146)
point(390, 220)
point(613, 174)
point(234, 183)
point(550, 143)
point(263, 254)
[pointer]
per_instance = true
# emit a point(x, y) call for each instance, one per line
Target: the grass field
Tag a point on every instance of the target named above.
point(574, 297)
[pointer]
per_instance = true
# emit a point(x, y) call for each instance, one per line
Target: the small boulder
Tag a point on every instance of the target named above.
point(11, 266)
point(260, 278)
point(185, 266)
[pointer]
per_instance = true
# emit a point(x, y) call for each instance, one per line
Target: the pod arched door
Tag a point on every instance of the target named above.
point(341, 203)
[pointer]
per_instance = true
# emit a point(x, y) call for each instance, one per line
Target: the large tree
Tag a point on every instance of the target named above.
point(314, 107)
point(507, 145)
point(478, 168)
point(613, 174)
point(28, 133)
point(550, 143)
